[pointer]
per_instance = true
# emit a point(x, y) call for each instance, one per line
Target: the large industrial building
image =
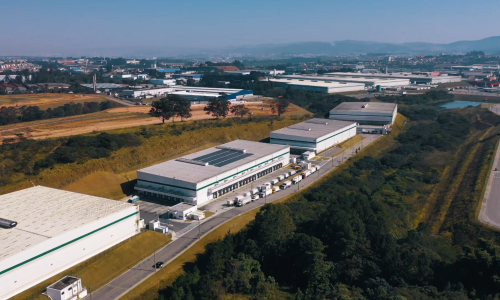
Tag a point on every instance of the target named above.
point(368, 82)
point(365, 113)
point(56, 230)
point(413, 78)
point(194, 94)
point(200, 177)
point(319, 86)
point(314, 135)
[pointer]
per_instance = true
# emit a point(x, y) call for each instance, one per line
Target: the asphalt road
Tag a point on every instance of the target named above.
point(135, 275)
point(490, 207)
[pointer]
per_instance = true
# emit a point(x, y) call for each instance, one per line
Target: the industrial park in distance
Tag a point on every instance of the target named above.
point(213, 159)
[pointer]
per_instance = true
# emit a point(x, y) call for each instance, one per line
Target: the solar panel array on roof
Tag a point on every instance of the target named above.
point(221, 158)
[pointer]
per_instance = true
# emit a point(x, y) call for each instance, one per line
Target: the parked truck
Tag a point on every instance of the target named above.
point(281, 177)
point(243, 201)
point(274, 181)
point(306, 173)
point(266, 193)
point(292, 172)
point(286, 185)
point(286, 175)
point(297, 179)
point(255, 197)
point(254, 191)
point(230, 202)
point(276, 189)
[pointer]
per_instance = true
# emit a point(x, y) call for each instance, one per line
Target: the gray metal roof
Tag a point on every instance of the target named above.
point(182, 207)
point(42, 213)
point(369, 107)
point(314, 128)
point(190, 168)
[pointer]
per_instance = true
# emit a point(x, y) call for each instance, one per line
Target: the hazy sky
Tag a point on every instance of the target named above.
point(67, 26)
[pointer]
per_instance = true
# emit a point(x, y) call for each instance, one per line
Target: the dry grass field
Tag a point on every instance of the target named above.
point(45, 101)
point(114, 118)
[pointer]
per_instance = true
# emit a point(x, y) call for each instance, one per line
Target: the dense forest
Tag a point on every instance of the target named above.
point(351, 237)
point(16, 114)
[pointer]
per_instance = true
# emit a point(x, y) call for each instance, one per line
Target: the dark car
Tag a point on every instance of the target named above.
point(159, 265)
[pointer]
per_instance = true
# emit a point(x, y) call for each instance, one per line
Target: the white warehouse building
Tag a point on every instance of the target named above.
point(56, 230)
point(314, 135)
point(365, 113)
point(368, 82)
point(319, 86)
point(200, 177)
point(413, 78)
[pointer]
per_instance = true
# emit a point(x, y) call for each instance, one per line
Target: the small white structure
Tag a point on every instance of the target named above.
point(146, 92)
point(182, 210)
point(308, 155)
point(67, 288)
point(197, 215)
point(155, 225)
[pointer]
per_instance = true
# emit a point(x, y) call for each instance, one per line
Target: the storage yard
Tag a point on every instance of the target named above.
point(55, 230)
point(314, 135)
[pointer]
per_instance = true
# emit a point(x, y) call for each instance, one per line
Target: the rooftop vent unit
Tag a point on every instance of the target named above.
point(321, 122)
point(300, 128)
point(231, 149)
point(192, 161)
point(7, 223)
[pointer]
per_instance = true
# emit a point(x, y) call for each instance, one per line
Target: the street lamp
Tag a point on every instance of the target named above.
point(199, 228)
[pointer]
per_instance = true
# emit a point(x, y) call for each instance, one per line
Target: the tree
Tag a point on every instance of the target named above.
point(163, 109)
point(183, 107)
point(279, 106)
point(240, 110)
point(218, 107)
point(170, 107)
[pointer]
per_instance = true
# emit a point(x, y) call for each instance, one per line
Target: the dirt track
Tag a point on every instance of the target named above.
point(114, 118)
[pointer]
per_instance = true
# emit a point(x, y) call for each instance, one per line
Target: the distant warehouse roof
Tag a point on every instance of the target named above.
point(365, 113)
point(314, 128)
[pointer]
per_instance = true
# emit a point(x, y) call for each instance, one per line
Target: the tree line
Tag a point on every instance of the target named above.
point(351, 238)
point(176, 106)
point(14, 114)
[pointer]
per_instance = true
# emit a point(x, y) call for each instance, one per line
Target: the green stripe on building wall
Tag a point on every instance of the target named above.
point(66, 244)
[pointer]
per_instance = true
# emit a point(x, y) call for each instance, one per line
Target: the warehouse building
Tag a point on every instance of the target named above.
point(413, 78)
point(200, 177)
point(319, 86)
point(368, 82)
point(146, 93)
point(229, 94)
point(51, 230)
point(365, 113)
point(314, 135)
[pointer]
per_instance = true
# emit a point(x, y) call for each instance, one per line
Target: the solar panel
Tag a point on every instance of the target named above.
point(222, 157)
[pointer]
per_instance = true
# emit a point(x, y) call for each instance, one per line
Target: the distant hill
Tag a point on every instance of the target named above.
point(491, 44)
point(488, 45)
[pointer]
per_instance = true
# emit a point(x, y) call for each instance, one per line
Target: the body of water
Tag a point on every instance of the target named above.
point(460, 104)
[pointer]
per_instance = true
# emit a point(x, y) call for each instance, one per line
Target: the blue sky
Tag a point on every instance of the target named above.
point(54, 26)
